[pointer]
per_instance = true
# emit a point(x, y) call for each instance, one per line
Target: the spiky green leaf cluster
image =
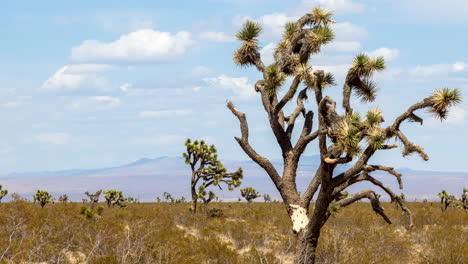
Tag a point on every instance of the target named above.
point(248, 54)
point(376, 137)
point(321, 35)
point(374, 117)
point(360, 73)
point(289, 28)
point(249, 32)
point(442, 100)
point(319, 80)
point(274, 79)
point(364, 66)
point(349, 135)
point(318, 17)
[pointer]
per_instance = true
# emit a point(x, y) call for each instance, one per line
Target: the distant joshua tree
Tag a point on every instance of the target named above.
point(168, 197)
point(206, 167)
point(464, 198)
point(93, 198)
point(3, 193)
point(42, 197)
point(445, 200)
point(342, 138)
point(249, 194)
point(114, 197)
point(266, 198)
point(133, 200)
point(63, 198)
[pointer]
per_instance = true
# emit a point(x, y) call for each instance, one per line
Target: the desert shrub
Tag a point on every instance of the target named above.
point(100, 209)
point(215, 212)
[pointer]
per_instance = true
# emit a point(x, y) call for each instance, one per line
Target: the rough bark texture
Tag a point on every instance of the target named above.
point(344, 139)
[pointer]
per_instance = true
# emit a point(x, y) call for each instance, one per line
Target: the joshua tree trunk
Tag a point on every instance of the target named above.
point(343, 139)
point(194, 198)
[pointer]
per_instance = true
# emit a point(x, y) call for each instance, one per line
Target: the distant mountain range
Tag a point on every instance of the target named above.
point(148, 178)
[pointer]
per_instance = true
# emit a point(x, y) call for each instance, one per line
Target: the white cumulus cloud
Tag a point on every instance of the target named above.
point(141, 46)
point(238, 85)
point(387, 53)
point(75, 76)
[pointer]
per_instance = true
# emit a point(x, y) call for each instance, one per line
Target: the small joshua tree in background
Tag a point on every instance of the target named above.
point(464, 199)
point(63, 198)
point(114, 197)
point(42, 197)
point(168, 197)
point(445, 200)
point(131, 199)
point(3, 193)
point(266, 198)
point(93, 198)
point(203, 160)
point(249, 194)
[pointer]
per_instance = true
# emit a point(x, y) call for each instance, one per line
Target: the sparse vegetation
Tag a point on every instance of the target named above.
point(259, 233)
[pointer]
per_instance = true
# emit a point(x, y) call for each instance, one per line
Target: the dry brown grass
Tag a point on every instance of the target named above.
point(248, 233)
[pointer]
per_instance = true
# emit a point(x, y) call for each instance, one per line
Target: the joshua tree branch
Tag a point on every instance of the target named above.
point(347, 97)
point(313, 186)
point(410, 147)
point(289, 94)
point(244, 143)
point(370, 168)
point(409, 115)
point(369, 194)
point(299, 109)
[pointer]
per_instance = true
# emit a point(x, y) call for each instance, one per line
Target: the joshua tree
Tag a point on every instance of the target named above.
point(203, 161)
point(343, 139)
point(3, 193)
point(445, 200)
point(168, 197)
point(63, 198)
point(464, 198)
point(42, 197)
point(249, 194)
point(93, 198)
point(114, 197)
point(133, 200)
point(266, 198)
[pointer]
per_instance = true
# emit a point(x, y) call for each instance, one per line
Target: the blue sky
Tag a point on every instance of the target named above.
point(99, 83)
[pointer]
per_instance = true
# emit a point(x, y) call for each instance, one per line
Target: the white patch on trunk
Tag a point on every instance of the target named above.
point(299, 217)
